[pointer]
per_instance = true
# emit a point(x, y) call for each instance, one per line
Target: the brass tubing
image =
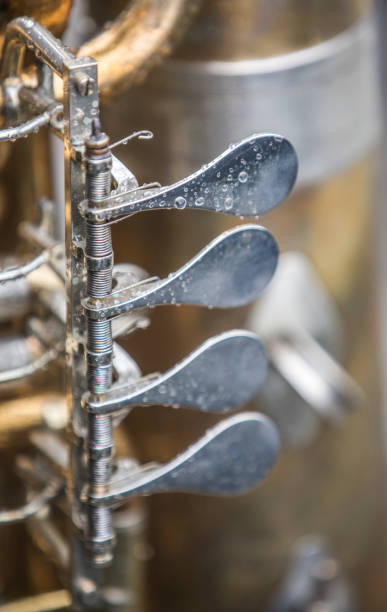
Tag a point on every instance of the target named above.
point(20, 415)
point(47, 602)
point(140, 36)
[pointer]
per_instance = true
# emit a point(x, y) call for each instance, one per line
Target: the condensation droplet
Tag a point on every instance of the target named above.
point(228, 203)
point(243, 176)
point(180, 203)
point(199, 201)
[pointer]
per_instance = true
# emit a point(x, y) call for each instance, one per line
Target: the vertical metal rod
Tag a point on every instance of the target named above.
point(99, 260)
point(80, 107)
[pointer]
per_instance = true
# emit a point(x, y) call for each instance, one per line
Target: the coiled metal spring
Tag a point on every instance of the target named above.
point(98, 186)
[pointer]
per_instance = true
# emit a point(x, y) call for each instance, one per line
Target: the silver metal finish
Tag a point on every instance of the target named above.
point(303, 337)
point(21, 271)
point(29, 368)
point(205, 380)
point(314, 581)
point(37, 502)
point(15, 352)
point(50, 257)
point(315, 376)
point(21, 33)
point(99, 262)
point(26, 32)
point(29, 127)
point(231, 271)
point(231, 458)
point(248, 179)
point(52, 252)
point(323, 98)
point(15, 297)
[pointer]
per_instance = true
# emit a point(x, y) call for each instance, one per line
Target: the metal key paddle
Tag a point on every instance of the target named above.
point(231, 458)
point(223, 373)
point(248, 179)
point(230, 271)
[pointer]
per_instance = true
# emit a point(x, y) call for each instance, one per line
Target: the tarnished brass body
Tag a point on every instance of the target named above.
point(141, 36)
point(53, 14)
point(143, 33)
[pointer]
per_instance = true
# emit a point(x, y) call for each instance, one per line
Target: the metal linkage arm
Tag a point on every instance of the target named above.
point(25, 32)
point(27, 127)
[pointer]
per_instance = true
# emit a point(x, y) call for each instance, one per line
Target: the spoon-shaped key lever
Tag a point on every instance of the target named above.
point(231, 271)
point(221, 374)
point(231, 458)
point(249, 178)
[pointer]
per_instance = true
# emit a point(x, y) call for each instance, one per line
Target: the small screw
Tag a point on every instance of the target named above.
point(85, 84)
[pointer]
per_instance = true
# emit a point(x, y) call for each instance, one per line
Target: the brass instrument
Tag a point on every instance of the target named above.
point(263, 76)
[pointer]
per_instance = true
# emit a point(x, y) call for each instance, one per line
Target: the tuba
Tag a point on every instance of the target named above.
point(161, 352)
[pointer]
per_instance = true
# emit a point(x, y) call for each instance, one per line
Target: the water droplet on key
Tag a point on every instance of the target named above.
point(243, 176)
point(180, 203)
point(199, 201)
